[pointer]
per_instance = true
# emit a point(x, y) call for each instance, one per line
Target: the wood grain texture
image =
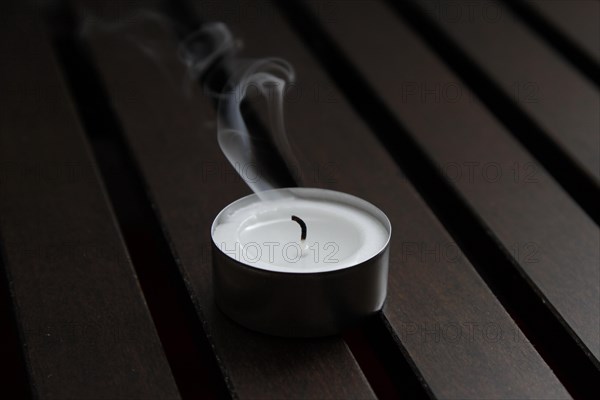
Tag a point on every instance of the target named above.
point(577, 19)
point(171, 129)
point(541, 82)
point(549, 237)
point(429, 290)
point(85, 327)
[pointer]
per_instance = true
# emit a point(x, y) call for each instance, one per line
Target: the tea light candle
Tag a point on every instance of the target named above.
point(307, 262)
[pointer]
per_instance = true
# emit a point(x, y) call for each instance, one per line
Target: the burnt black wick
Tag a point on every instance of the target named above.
point(302, 226)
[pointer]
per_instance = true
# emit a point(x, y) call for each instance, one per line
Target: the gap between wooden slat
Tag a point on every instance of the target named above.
point(385, 363)
point(182, 336)
point(13, 372)
point(556, 39)
point(559, 349)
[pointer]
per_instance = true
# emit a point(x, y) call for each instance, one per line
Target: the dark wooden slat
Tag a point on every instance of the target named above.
point(424, 292)
point(577, 19)
point(173, 138)
point(550, 239)
point(560, 100)
point(84, 323)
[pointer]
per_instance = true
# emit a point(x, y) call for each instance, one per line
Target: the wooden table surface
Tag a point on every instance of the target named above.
point(474, 125)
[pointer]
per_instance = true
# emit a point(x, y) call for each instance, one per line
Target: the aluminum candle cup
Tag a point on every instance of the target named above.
point(305, 263)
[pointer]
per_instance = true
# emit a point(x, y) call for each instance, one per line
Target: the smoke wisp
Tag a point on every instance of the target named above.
point(211, 57)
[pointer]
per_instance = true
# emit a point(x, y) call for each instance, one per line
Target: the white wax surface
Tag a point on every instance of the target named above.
point(262, 235)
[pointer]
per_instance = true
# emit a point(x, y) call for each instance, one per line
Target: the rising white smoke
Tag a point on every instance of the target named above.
point(212, 49)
